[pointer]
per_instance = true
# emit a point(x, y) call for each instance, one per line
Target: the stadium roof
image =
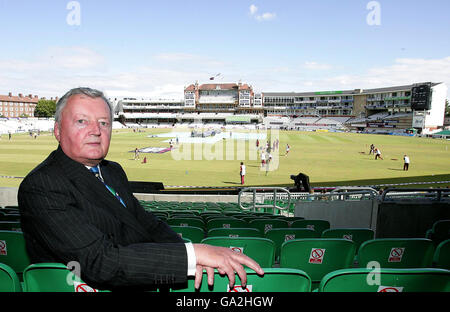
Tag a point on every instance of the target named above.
point(347, 92)
point(219, 86)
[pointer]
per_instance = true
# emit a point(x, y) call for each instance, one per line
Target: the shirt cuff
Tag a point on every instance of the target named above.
point(192, 260)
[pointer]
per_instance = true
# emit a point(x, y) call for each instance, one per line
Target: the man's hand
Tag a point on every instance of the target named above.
point(225, 261)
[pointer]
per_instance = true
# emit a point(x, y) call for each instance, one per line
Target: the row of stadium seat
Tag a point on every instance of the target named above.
point(218, 206)
point(192, 206)
point(55, 277)
point(315, 256)
point(261, 224)
point(267, 227)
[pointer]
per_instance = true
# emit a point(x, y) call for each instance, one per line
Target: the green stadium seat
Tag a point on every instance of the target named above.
point(386, 280)
point(316, 225)
point(290, 220)
point(442, 255)
point(250, 217)
point(52, 277)
point(317, 256)
point(234, 232)
point(262, 250)
point(273, 280)
point(11, 208)
point(161, 214)
point(10, 226)
point(229, 222)
point(206, 214)
point(357, 235)
point(10, 217)
point(179, 221)
point(281, 235)
point(266, 224)
point(13, 252)
point(439, 232)
point(193, 233)
point(9, 281)
point(185, 213)
point(397, 252)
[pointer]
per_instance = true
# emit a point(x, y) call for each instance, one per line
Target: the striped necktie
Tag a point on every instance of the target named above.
point(96, 172)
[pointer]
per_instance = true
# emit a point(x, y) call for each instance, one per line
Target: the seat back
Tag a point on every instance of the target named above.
point(262, 250)
point(12, 217)
point(442, 255)
point(10, 226)
point(13, 252)
point(266, 224)
point(234, 232)
point(440, 231)
point(53, 277)
point(9, 281)
point(281, 235)
point(316, 225)
point(386, 280)
point(397, 252)
point(181, 221)
point(358, 236)
point(193, 233)
point(317, 256)
point(441, 227)
point(225, 222)
point(274, 280)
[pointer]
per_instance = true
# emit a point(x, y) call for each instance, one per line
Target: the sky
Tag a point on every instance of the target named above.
point(154, 49)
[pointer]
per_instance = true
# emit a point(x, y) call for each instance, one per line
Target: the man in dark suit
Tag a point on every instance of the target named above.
point(69, 213)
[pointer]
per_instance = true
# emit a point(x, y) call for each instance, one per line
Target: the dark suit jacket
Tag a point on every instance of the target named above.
point(67, 214)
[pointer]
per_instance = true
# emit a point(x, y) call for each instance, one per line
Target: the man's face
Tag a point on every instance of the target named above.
point(84, 129)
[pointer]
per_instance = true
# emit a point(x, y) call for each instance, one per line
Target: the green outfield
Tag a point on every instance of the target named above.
point(330, 159)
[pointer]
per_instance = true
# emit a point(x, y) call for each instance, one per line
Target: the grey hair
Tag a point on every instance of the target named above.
point(92, 93)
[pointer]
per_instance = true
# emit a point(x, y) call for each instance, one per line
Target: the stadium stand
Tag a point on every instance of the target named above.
point(295, 257)
point(17, 125)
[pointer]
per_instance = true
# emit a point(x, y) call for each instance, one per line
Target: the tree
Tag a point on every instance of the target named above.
point(447, 108)
point(45, 108)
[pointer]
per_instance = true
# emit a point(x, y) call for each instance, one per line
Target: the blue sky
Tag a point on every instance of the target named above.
point(156, 48)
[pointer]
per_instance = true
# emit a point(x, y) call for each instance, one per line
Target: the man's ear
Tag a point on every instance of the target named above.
point(56, 131)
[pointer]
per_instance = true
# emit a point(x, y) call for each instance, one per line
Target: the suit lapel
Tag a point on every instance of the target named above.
point(96, 192)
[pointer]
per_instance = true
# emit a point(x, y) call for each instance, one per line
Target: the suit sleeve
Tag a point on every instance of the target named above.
point(53, 218)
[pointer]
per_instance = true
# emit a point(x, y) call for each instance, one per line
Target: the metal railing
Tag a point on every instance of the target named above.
point(256, 199)
point(398, 194)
